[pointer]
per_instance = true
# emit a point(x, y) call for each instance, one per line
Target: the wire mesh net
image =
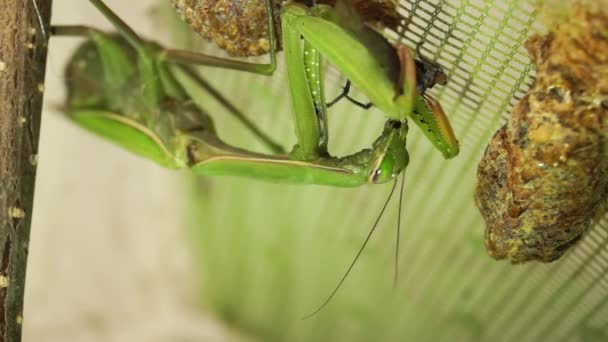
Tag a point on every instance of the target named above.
point(273, 252)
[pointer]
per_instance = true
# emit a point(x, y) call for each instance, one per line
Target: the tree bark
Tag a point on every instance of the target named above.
point(22, 66)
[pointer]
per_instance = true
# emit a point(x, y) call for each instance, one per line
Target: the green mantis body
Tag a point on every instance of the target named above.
point(150, 114)
point(382, 72)
point(124, 88)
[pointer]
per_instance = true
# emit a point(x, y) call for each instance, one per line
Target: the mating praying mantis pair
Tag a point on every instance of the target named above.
point(125, 89)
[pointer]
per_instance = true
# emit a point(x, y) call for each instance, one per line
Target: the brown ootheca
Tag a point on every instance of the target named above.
point(240, 26)
point(543, 178)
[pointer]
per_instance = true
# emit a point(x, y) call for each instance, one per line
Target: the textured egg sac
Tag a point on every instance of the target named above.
point(240, 26)
point(237, 26)
point(543, 178)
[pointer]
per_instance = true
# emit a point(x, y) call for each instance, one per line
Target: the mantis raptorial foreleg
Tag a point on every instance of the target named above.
point(388, 75)
point(344, 94)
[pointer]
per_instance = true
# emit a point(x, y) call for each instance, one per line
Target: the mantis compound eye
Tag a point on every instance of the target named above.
point(390, 156)
point(384, 172)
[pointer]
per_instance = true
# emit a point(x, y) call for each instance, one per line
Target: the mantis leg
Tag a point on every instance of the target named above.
point(386, 74)
point(189, 57)
point(361, 54)
point(208, 155)
point(313, 68)
point(308, 104)
point(200, 81)
point(344, 94)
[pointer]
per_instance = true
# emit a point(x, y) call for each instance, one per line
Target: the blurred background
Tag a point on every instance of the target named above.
point(123, 250)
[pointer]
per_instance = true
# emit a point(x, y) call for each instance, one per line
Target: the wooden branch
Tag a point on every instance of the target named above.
point(22, 67)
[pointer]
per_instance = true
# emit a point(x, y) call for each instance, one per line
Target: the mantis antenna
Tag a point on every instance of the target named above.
point(369, 235)
point(396, 272)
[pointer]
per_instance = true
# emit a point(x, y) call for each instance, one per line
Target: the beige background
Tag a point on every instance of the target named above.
point(108, 259)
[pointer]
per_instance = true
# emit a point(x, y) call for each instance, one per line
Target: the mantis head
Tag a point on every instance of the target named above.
point(389, 156)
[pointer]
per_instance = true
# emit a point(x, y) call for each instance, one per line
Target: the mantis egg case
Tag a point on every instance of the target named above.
point(543, 178)
point(237, 26)
point(240, 26)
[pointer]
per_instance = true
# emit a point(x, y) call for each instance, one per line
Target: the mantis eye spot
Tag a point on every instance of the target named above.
point(383, 172)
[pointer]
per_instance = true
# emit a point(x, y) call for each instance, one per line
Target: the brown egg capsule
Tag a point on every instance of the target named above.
point(240, 26)
point(237, 26)
point(543, 178)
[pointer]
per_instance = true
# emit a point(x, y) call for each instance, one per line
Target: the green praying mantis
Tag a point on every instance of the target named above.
point(125, 89)
point(151, 132)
